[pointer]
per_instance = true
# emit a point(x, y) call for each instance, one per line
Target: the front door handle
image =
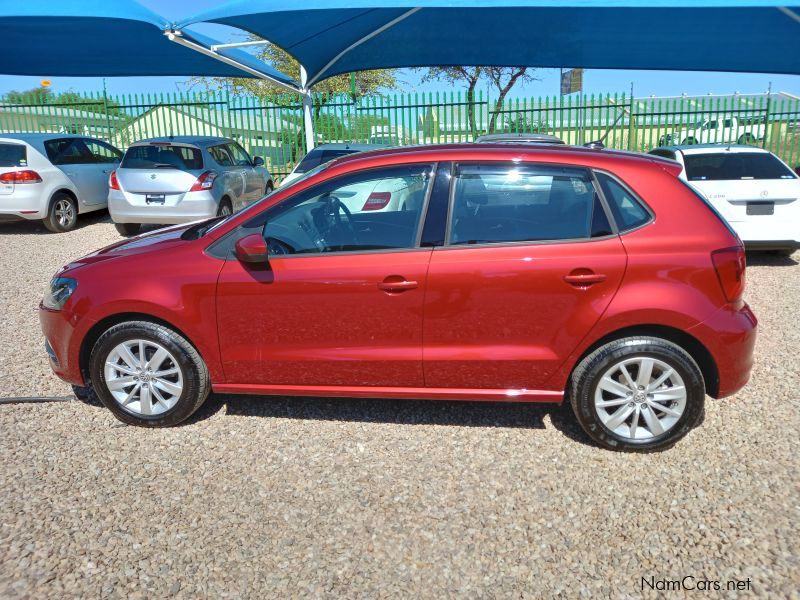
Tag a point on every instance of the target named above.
point(583, 278)
point(396, 284)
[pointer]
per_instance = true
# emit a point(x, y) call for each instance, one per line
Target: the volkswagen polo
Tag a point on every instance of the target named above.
point(515, 273)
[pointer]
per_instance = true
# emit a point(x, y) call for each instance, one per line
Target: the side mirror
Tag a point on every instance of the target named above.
point(252, 249)
point(258, 161)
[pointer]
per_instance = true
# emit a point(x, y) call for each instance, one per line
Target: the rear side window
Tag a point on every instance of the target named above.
point(13, 155)
point(731, 166)
point(163, 156)
point(515, 203)
point(68, 151)
point(221, 156)
point(627, 209)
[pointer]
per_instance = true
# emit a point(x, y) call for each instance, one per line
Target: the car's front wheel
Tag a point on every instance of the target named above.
point(637, 394)
point(148, 375)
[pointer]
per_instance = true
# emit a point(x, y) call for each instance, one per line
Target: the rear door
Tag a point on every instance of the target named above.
point(105, 158)
point(254, 183)
point(73, 157)
point(529, 265)
point(755, 192)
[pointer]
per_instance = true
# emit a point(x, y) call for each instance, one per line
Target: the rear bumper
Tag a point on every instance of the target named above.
point(771, 245)
point(769, 234)
point(183, 208)
point(730, 337)
point(25, 202)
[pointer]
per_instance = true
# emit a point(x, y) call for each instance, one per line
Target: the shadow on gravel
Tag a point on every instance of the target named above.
point(771, 259)
point(31, 227)
point(517, 415)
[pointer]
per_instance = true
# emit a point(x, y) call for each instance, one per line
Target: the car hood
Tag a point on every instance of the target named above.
point(154, 241)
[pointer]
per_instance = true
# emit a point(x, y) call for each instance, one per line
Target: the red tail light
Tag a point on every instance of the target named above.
point(377, 201)
point(20, 177)
point(204, 182)
point(113, 183)
point(730, 266)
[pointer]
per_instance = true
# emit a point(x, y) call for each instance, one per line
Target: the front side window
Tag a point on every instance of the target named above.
point(375, 210)
point(68, 151)
point(163, 156)
point(627, 210)
point(732, 166)
point(240, 157)
point(102, 152)
point(515, 203)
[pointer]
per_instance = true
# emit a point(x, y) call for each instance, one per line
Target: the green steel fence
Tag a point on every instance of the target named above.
point(273, 127)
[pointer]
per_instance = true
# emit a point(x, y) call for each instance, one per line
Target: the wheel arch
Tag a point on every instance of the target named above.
point(103, 325)
point(689, 343)
point(65, 190)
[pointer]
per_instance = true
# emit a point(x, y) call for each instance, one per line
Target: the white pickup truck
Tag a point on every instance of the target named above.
point(717, 130)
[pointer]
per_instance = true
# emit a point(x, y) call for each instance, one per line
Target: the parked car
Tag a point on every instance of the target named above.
point(752, 188)
point(717, 130)
point(53, 177)
point(324, 153)
point(519, 138)
point(615, 288)
point(173, 180)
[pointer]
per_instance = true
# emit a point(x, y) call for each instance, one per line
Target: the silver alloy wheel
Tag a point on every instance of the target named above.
point(65, 212)
point(143, 377)
point(640, 398)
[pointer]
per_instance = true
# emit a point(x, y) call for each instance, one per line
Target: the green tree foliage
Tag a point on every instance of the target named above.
point(42, 95)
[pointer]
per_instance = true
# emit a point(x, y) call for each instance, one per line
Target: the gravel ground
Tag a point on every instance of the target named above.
point(372, 498)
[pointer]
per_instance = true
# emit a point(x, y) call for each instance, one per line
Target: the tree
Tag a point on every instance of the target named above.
point(43, 95)
point(39, 95)
point(502, 78)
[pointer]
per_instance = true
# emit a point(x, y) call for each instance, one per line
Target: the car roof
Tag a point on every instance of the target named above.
point(502, 151)
point(196, 140)
point(353, 147)
point(38, 136)
point(520, 138)
point(711, 148)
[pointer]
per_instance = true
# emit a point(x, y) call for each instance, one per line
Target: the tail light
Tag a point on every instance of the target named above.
point(26, 176)
point(377, 201)
point(729, 264)
point(204, 182)
point(113, 183)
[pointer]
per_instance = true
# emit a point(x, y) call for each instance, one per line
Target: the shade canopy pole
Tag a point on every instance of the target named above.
point(308, 105)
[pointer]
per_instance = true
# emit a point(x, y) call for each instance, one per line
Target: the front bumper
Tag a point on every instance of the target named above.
point(730, 337)
point(63, 332)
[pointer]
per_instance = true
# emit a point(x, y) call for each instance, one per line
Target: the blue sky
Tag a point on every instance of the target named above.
point(645, 83)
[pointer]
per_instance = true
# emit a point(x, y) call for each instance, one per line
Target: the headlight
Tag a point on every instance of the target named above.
point(58, 292)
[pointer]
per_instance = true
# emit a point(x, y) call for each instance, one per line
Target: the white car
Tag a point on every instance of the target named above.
point(53, 177)
point(752, 188)
point(717, 130)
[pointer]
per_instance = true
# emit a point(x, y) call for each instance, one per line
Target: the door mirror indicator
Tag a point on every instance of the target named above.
point(252, 249)
point(258, 161)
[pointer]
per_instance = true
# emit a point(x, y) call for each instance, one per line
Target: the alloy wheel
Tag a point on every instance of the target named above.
point(143, 377)
point(65, 213)
point(640, 398)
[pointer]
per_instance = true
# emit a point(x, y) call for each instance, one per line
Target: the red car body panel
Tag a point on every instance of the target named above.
point(485, 322)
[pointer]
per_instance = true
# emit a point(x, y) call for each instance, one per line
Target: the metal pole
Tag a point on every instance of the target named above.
point(308, 104)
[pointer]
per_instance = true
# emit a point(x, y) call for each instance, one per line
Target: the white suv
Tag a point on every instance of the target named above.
point(53, 177)
point(752, 188)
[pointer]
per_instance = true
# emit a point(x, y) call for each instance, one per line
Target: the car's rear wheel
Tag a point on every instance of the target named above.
point(225, 208)
point(63, 213)
point(637, 394)
point(148, 375)
point(128, 229)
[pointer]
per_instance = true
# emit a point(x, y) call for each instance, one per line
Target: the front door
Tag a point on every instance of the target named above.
point(341, 301)
point(529, 267)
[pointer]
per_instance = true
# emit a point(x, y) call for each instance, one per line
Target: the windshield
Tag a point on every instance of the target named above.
point(163, 156)
point(213, 224)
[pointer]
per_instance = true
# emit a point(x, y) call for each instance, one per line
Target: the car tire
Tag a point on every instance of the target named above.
point(663, 414)
point(128, 229)
point(62, 215)
point(225, 208)
point(140, 392)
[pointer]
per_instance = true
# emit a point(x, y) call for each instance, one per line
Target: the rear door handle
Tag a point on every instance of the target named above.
point(584, 279)
point(391, 284)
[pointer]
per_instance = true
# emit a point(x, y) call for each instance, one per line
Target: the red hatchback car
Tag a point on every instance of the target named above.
point(468, 272)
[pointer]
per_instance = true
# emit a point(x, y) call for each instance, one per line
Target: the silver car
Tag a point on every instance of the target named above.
point(180, 179)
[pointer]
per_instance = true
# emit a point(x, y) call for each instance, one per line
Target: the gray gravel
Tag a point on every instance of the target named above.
point(371, 498)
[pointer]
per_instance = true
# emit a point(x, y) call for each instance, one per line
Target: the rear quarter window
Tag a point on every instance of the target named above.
point(732, 166)
point(160, 156)
point(628, 211)
point(13, 155)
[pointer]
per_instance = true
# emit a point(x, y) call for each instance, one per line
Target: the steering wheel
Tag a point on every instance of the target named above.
point(333, 210)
